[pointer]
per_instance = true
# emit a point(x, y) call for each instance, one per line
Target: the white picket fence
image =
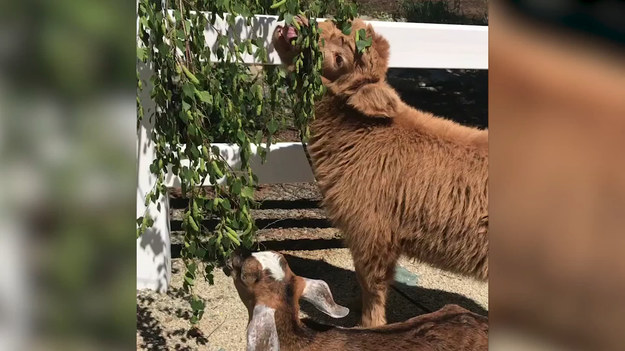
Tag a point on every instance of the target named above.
point(413, 45)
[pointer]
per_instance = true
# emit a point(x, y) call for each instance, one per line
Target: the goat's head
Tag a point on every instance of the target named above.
point(266, 284)
point(265, 278)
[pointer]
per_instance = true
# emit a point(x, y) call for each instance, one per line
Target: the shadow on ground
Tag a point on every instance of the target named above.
point(346, 292)
point(149, 327)
point(154, 335)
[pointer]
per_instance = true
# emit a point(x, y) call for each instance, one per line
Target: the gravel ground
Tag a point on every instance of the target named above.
point(161, 323)
point(285, 192)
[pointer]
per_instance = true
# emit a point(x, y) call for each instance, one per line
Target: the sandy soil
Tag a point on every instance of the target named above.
point(162, 323)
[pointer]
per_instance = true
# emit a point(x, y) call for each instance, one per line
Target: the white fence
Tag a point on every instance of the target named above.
point(413, 45)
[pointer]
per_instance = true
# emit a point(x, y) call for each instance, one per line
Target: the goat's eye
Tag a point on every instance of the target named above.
point(339, 60)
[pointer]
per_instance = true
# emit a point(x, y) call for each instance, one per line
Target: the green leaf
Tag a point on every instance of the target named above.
point(192, 267)
point(247, 241)
point(141, 53)
point(347, 28)
point(188, 280)
point(288, 18)
point(361, 34)
point(208, 270)
point(205, 96)
point(197, 304)
point(236, 187)
point(277, 4)
point(361, 45)
point(225, 204)
point(241, 137)
point(248, 192)
point(258, 137)
point(192, 246)
point(188, 90)
point(272, 126)
point(200, 253)
point(183, 116)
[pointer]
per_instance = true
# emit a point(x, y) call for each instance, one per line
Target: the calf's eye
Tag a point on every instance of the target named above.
point(339, 60)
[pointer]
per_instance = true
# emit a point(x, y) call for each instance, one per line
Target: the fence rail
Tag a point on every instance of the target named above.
point(413, 45)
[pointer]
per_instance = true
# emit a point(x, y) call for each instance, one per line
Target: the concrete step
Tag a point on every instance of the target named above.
point(288, 219)
point(298, 195)
point(176, 214)
point(282, 234)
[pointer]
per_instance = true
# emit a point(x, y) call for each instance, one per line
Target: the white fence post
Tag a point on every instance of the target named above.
point(153, 246)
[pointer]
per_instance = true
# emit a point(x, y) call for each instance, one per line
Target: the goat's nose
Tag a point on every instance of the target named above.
point(227, 268)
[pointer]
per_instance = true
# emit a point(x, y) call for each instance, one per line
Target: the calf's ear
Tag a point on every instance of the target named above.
point(374, 59)
point(318, 293)
point(262, 334)
point(375, 100)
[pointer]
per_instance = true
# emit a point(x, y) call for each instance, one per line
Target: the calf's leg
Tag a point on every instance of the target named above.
point(374, 271)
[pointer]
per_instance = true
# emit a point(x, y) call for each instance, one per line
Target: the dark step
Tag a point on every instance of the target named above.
point(271, 196)
point(210, 224)
point(282, 239)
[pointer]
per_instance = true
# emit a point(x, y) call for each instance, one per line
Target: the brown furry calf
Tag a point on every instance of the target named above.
point(394, 179)
point(271, 293)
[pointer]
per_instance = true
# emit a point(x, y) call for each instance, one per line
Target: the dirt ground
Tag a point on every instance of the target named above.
point(161, 322)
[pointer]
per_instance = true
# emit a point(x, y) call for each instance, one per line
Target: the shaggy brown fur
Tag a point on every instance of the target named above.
point(450, 328)
point(395, 180)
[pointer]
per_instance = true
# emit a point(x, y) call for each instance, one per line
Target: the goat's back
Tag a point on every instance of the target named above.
point(450, 328)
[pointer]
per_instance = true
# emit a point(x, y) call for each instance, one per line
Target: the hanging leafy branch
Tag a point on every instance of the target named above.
point(205, 95)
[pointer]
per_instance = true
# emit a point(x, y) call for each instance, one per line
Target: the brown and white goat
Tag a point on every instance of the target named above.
point(395, 180)
point(271, 293)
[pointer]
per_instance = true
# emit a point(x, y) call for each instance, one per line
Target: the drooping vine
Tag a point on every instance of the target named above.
point(206, 94)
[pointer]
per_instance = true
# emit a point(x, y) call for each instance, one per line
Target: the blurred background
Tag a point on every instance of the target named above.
point(557, 174)
point(68, 167)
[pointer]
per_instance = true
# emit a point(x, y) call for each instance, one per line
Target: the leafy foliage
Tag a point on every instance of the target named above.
point(362, 41)
point(201, 100)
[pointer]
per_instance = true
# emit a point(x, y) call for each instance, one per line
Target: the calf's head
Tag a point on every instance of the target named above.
point(357, 76)
point(340, 55)
point(266, 284)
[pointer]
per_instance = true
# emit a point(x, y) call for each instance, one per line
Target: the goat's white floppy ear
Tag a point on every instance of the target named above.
point(261, 332)
point(318, 293)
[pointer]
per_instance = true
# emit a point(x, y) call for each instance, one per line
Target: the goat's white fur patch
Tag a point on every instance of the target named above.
point(270, 261)
point(261, 332)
